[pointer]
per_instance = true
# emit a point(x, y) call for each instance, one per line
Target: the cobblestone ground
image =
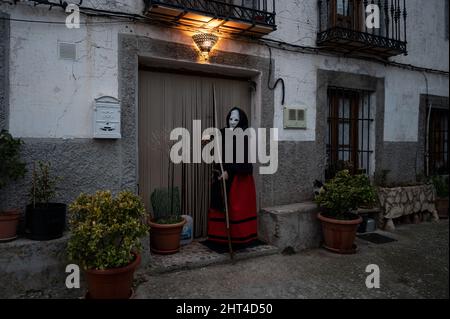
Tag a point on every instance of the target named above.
point(415, 266)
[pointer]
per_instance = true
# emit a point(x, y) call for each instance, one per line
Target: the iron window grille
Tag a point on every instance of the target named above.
point(438, 142)
point(349, 131)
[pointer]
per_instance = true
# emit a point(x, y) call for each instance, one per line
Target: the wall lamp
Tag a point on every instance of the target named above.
point(205, 43)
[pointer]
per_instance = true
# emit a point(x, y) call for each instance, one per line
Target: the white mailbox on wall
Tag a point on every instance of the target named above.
point(107, 118)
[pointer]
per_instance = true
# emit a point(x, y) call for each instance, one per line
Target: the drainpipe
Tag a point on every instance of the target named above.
point(427, 138)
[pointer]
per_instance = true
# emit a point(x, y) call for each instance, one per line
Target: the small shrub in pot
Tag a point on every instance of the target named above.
point(338, 200)
point(45, 220)
point(11, 169)
point(167, 223)
point(105, 240)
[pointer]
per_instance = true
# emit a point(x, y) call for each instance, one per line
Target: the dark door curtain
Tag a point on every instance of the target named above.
point(171, 100)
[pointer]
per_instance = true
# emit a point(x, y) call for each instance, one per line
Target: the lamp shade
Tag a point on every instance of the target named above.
point(205, 42)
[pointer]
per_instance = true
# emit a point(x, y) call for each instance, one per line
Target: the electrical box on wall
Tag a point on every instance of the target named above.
point(107, 118)
point(294, 118)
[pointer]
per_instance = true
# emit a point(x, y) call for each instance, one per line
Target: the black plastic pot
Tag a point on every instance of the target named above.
point(363, 226)
point(45, 222)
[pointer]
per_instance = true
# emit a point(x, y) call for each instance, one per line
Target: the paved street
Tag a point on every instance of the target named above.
point(416, 266)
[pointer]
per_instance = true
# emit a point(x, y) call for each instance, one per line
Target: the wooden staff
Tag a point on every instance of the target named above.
point(227, 217)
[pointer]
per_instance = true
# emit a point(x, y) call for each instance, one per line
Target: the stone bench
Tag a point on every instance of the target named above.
point(27, 265)
point(399, 202)
point(292, 226)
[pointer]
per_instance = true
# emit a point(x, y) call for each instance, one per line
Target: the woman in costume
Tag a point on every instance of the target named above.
point(240, 192)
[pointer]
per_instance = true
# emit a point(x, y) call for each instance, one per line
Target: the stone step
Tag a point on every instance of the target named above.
point(28, 267)
point(197, 255)
point(292, 227)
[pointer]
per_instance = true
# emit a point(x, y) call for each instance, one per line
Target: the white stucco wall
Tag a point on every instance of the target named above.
point(427, 44)
point(426, 36)
point(52, 98)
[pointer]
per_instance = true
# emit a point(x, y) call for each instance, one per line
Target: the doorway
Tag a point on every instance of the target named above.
point(169, 99)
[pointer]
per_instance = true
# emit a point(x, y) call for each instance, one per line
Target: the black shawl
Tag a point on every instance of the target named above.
point(233, 168)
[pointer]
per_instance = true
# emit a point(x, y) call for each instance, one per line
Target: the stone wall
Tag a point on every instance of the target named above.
point(403, 201)
point(4, 70)
point(404, 161)
point(84, 165)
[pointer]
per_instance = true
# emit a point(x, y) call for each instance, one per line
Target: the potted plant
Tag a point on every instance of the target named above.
point(11, 169)
point(44, 220)
point(364, 191)
point(338, 200)
point(166, 223)
point(105, 241)
point(440, 184)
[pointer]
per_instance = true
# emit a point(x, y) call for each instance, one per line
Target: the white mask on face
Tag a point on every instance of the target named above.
point(234, 119)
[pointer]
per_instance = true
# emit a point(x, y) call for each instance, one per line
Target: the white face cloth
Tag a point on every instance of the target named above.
point(234, 119)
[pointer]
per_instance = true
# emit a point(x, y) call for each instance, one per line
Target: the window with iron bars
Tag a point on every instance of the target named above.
point(350, 131)
point(438, 142)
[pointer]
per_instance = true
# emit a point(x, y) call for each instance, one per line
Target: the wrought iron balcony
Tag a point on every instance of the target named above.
point(343, 27)
point(251, 17)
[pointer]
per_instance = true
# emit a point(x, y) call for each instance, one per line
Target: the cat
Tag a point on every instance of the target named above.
point(318, 187)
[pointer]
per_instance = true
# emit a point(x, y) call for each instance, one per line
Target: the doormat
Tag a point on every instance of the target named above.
point(223, 248)
point(376, 238)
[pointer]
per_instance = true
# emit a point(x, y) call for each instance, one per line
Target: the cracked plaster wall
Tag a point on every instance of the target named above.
point(52, 98)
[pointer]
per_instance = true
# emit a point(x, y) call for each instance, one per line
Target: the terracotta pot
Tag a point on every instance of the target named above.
point(165, 239)
point(442, 207)
point(112, 283)
point(339, 235)
point(8, 224)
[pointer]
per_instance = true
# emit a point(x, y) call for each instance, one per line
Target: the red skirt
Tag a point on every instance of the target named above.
point(242, 214)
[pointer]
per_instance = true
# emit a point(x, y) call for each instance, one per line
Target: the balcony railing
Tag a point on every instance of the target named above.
point(254, 17)
point(343, 27)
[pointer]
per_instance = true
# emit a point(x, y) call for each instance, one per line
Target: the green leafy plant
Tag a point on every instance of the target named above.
point(166, 200)
point(339, 166)
point(440, 184)
point(365, 193)
point(11, 167)
point(43, 185)
point(166, 205)
point(344, 193)
point(106, 230)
